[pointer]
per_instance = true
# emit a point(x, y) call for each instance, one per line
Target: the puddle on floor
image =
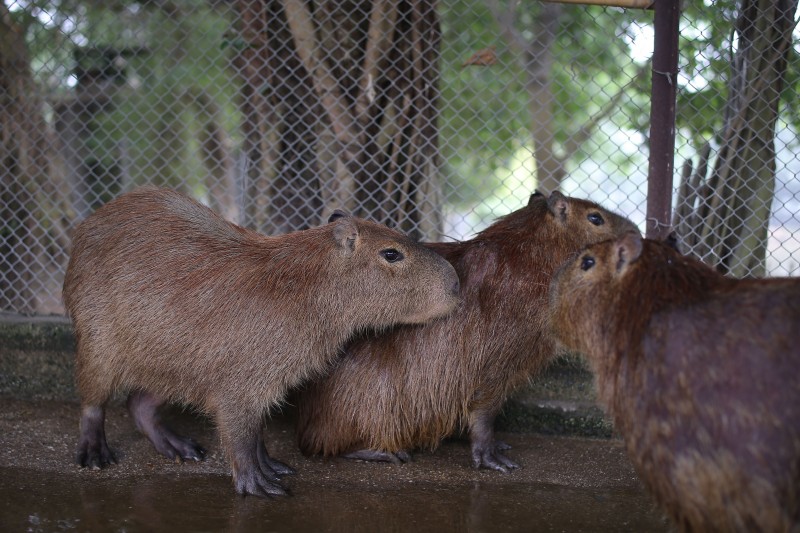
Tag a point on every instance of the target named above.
point(40, 501)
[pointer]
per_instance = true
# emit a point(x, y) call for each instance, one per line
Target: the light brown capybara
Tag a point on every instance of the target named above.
point(701, 375)
point(412, 387)
point(173, 303)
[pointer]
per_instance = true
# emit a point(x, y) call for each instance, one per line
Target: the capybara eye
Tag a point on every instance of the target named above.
point(587, 262)
point(391, 255)
point(596, 219)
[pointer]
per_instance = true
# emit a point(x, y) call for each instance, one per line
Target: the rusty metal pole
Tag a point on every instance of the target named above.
point(662, 118)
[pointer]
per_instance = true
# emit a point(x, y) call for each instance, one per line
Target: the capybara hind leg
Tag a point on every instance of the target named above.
point(93, 449)
point(397, 458)
point(144, 409)
point(486, 452)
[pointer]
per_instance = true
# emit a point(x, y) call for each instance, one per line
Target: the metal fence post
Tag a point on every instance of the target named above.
point(662, 118)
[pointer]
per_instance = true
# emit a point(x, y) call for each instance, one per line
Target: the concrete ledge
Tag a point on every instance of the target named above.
point(37, 362)
point(560, 401)
point(36, 357)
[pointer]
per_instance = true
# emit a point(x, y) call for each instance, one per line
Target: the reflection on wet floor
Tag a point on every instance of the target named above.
point(42, 501)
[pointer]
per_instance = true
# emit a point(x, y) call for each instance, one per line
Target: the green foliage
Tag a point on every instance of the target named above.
point(486, 112)
point(183, 59)
point(184, 48)
point(170, 55)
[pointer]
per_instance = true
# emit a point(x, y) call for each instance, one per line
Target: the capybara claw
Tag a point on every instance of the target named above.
point(493, 460)
point(282, 469)
point(258, 485)
point(95, 460)
point(398, 458)
point(182, 449)
point(274, 467)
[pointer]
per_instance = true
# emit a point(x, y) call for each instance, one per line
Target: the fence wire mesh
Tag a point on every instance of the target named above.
point(434, 117)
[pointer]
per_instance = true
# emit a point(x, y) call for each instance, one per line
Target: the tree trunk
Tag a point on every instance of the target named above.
point(536, 60)
point(722, 215)
point(250, 63)
point(215, 153)
point(354, 86)
point(27, 189)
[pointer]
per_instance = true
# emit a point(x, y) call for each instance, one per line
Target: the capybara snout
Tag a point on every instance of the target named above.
point(172, 303)
point(405, 282)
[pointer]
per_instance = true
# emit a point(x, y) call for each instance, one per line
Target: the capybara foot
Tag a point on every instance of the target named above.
point(93, 456)
point(256, 483)
point(93, 451)
point(280, 468)
point(144, 408)
point(490, 457)
point(178, 448)
point(397, 458)
point(270, 465)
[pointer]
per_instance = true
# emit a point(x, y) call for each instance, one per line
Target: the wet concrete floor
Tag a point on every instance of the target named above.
point(566, 484)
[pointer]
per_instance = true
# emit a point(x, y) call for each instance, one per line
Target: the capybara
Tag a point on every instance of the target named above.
point(173, 303)
point(700, 374)
point(411, 387)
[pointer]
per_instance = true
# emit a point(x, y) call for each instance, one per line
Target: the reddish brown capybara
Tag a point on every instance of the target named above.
point(700, 375)
point(173, 303)
point(412, 387)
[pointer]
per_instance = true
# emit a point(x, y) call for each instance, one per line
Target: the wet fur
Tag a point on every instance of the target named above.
point(700, 375)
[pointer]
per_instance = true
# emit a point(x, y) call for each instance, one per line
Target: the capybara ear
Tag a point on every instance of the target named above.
point(557, 204)
point(671, 240)
point(628, 248)
point(535, 196)
point(346, 233)
point(337, 214)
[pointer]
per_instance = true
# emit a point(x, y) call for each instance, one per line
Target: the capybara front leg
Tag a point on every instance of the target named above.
point(144, 409)
point(399, 457)
point(486, 452)
point(253, 471)
point(93, 449)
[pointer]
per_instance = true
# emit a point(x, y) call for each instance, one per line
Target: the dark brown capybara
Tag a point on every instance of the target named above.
point(173, 303)
point(412, 387)
point(700, 375)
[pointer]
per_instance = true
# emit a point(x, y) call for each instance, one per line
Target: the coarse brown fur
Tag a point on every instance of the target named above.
point(411, 387)
point(173, 303)
point(700, 375)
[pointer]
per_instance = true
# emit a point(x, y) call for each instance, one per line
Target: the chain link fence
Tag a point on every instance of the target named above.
point(434, 117)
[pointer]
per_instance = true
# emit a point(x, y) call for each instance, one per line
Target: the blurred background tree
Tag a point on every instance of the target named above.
point(407, 111)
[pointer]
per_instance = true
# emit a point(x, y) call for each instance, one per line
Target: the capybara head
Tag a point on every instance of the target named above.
point(581, 288)
point(561, 223)
point(593, 224)
point(391, 267)
point(588, 292)
point(533, 241)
